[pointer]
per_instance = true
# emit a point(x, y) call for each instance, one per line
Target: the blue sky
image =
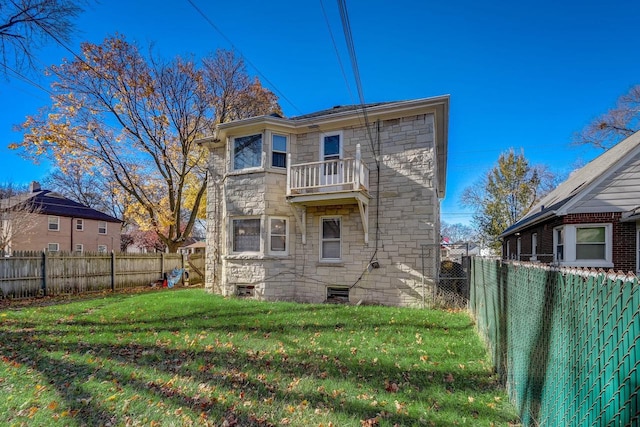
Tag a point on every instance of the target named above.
point(526, 75)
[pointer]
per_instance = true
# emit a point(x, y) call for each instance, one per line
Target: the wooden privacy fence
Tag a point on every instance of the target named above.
point(30, 274)
point(565, 341)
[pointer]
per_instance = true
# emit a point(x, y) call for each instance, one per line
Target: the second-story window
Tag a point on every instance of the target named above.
point(247, 152)
point(79, 224)
point(102, 227)
point(54, 223)
point(279, 151)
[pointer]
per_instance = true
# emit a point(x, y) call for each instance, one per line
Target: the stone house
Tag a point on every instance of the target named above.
point(338, 205)
point(590, 220)
point(51, 222)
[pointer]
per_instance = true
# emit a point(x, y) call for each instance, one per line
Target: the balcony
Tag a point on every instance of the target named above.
point(330, 182)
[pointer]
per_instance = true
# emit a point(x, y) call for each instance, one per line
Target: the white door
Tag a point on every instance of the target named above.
point(330, 153)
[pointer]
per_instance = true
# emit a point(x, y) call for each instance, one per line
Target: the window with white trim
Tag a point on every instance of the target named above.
point(79, 224)
point(558, 244)
point(583, 245)
point(247, 152)
point(278, 236)
point(102, 249)
point(54, 223)
point(245, 235)
point(534, 246)
point(330, 239)
point(508, 250)
point(518, 248)
point(79, 248)
point(278, 151)
point(102, 227)
point(53, 247)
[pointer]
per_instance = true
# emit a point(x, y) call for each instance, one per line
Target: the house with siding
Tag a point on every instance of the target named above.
point(56, 223)
point(338, 205)
point(590, 220)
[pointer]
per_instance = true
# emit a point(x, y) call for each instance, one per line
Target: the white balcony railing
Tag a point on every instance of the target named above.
point(349, 174)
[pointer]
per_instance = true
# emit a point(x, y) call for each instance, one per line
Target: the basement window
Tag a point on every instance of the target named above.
point(245, 291)
point(338, 294)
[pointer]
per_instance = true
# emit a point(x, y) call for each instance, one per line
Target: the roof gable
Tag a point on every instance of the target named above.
point(586, 183)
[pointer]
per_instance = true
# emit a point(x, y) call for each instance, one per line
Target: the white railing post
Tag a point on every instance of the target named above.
point(288, 174)
point(357, 169)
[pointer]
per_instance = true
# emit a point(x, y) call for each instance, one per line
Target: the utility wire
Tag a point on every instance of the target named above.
point(335, 47)
point(27, 80)
point(233, 46)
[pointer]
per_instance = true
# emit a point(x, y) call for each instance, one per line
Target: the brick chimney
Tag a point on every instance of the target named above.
point(34, 187)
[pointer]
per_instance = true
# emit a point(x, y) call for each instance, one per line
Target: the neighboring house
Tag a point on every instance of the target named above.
point(60, 224)
point(590, 220)
point(321, 207)
point(197, 247)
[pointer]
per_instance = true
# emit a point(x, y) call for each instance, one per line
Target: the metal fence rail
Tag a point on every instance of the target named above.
point(31, 274)
point(566, 342)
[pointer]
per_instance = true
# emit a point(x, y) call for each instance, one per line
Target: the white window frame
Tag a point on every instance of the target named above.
point(53, 221)
point(101, 228)
point(102, 249)
point(286, 235)
point(233, 152)
point(79, 247)
point(323, 239)
point(79, 225)
point(637, 249)
point(570, 242)
point(232, 222)
point(508, 250)
point(534, 246)
point(274, 151)
point(518, 248)
point(53, 245)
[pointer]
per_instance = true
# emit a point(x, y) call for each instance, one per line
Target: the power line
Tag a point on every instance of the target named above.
point(335, 47)
point(233, 46)
point(27, 80)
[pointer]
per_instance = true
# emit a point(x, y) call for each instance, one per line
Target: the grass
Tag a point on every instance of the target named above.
point(184, 357)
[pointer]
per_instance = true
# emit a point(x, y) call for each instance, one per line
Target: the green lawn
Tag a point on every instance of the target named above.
point(184, 357)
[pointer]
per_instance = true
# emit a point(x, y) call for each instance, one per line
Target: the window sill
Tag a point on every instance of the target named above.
point(246, 171)
point(255, 256)
point(587, 263)
point(330, 264)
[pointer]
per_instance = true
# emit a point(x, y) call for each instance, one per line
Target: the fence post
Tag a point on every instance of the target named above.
point(113, 271)
point(44, 273)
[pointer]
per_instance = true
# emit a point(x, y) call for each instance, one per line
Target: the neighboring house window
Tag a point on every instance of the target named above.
point(102, 227)
point(279, 151)
point(584, 245)
point(638, 257)
point(53, 247)
point(534, 246)
point(558, 244)
point(102, 249)
point(79, 248)
point(330, 247)
point(79, 224)
point(508, 254)
point(518, 248)
point(247, 152)
point(54, 223)
point(246, 235)
point(278, 233)
point(590, 243)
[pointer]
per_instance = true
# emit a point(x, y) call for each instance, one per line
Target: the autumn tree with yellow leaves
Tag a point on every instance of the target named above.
point(135, 119)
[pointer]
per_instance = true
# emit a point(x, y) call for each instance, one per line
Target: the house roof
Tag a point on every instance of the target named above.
point(580, 183)
point(349, 115)
point(49, 203)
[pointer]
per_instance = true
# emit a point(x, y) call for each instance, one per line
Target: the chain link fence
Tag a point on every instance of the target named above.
point(451, 265)
point(565, 342)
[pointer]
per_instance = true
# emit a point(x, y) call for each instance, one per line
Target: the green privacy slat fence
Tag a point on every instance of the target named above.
point(565, 342)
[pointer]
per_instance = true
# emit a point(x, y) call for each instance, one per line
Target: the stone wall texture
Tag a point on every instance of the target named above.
point(403, 215)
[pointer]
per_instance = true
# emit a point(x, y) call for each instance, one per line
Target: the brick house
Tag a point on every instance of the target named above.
point(322, 207)
point(590, 220)
point(61, 224)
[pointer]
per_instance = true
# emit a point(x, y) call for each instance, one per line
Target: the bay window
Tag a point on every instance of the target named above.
point(278, 232)
point(245, 235)
point(247, 152)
